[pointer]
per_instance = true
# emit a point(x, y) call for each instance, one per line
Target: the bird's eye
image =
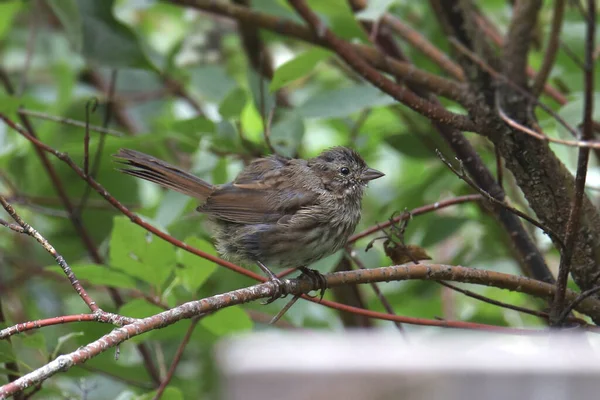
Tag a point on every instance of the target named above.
point(344, 170)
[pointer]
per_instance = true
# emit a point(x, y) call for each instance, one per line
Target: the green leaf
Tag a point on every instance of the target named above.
point(172, 205)
point(194, 126)
point(99, 275)
point(68, 14)
point(339, 18)
point(34, 341)
point(212, 81)
point(6, 351)
point(107, 41)
point(441, 228)
point(233, 104)
point(264, 100)
point(411, 145)
point(227, 321)
point(375, 9)
point(286, 135)
point(195, 270)
point(9, 104)
point(227, 137)
point(63, 340)
point(8, 11)
point(343, 102)
point(139, 308)
point(139, 253)
point(170, 393)
point(572, 112)
point(296, 68)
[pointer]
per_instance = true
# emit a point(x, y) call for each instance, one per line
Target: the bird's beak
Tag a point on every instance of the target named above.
point(369, 174)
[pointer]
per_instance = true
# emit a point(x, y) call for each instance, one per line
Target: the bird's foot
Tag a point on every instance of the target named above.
point(280, 287)
point(316, 278)
point(280, 290)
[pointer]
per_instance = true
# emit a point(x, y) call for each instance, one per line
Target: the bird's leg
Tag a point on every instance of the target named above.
point(316, 277)
point(280, 289)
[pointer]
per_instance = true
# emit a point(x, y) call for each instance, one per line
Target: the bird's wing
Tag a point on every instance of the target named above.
point(262, 193)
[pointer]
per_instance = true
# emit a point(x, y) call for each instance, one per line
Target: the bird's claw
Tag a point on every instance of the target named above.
point(316, 278)
point(280, 290)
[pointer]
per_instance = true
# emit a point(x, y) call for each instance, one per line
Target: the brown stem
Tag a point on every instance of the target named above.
point(402, 71)
point(582, 167)
point(29, 230)
point(551, 49)
point(298, 286)
point(176, 359)
point(518, 40)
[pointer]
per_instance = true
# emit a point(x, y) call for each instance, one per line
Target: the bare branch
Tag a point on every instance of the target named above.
point(299, 286)
point(29, 230)
point(582, 166)
point(551, 48)
point(518, 39)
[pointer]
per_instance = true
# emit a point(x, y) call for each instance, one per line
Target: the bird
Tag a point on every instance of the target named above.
point(278, 212)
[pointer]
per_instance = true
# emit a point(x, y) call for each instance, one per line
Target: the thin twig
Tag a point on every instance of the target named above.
point(504, 79)
point(99, 149)
point(587, 133)
point(68, 121)
point(435, 112)
point(382, 299)
point(296, 286)
point(438, 205)
point(285, 309)
point(29, 230)
point(584, 295)
point(590, 144)
point(462, 175)
point(499, 169)
point(401, 70)
point(11, 367)
point(71, 209)
point(90, 107)
point(518, 40)
point(98, 316)
point(176, 360)
point(551, 48)
point(524, 310)
point(422, 44)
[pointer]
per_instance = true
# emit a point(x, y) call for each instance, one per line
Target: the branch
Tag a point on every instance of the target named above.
point(56, 182)
point(296, 287)
point(590, 144)
point(119, 206)
point(98, 316)
point(420, 42)
point(69, 121)
point(71, 210)
point(11, 367)
point(461, 174)
point(176, 360)
point(417, 211)
point(384, 301)
point(435, 112)
point(28, 230)
point(528, 255)
point(518, 40)
point(551, 49)
point(582, 167)
point(401, 70)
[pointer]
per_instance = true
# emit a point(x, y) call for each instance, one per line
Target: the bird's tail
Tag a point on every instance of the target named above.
point(157, 171)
